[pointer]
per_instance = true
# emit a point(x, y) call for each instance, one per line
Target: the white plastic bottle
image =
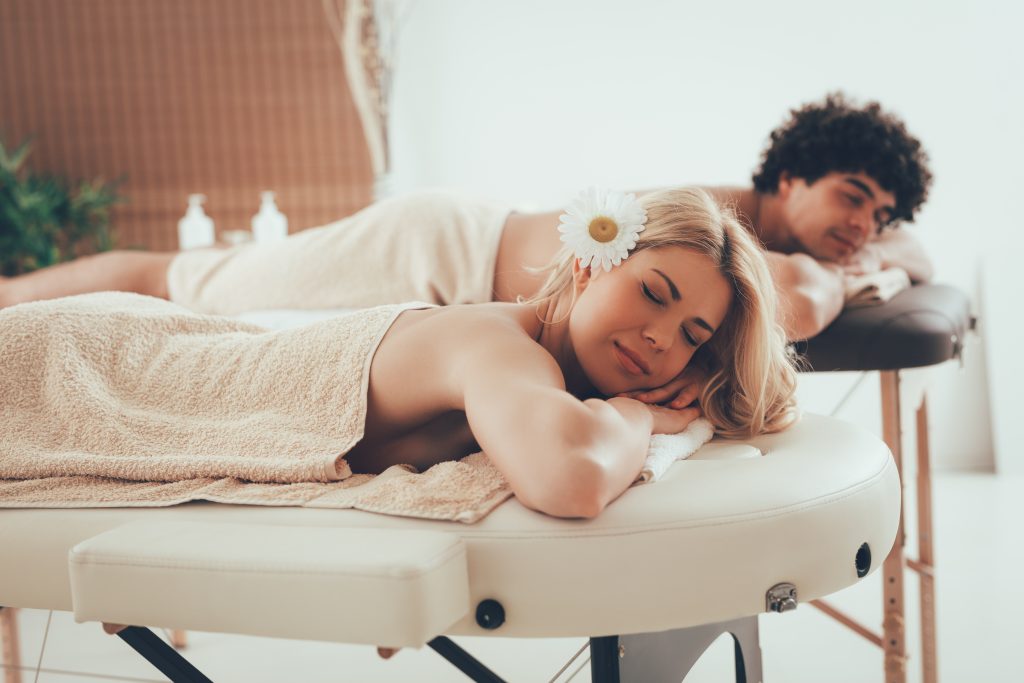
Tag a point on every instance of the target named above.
point(269, 225)
point(195, 230)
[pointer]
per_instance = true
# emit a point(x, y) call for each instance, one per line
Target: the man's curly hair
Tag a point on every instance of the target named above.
point(836, 135)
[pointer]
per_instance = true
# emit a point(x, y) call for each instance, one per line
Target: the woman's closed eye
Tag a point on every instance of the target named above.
point(649, 293)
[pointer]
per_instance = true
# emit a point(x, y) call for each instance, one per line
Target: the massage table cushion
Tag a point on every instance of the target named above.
point(922, 325)
point(392, 588)
point(808, 507)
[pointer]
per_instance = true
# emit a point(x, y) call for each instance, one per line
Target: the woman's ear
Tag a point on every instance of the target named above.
point(580, 277)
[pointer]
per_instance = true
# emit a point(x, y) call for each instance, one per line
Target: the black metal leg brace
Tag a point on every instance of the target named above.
point(162, 656)
point(463, 661)
point(668, 656)
point(180, 670)
point(651, 657)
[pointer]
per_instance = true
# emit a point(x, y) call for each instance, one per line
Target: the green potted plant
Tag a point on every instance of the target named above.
point(44, 219)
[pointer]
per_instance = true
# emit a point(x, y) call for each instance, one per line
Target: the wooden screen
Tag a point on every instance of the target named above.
point(220, 97)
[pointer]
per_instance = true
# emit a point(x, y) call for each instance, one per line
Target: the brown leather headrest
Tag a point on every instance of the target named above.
point(920, 326)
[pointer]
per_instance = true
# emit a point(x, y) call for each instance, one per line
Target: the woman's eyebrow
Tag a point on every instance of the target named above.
point(672, 289)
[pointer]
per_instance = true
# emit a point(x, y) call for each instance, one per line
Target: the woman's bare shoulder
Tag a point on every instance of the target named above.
point(516, 322)
point(431, 351)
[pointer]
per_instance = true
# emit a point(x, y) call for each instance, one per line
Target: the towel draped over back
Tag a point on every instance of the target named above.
point(121, 399)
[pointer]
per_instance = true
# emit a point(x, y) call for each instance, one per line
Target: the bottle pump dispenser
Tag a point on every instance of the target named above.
point(195, 230)
point(269, 225)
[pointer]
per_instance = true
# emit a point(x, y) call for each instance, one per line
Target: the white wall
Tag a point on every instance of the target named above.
point(531, 100)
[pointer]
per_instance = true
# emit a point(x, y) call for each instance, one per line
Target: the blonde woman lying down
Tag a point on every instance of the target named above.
point(640, 290)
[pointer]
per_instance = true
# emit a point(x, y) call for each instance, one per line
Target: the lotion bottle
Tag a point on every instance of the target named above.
point(195, 230)
point(269, 225)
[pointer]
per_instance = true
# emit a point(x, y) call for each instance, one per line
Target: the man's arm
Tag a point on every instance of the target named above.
point(900, 249)
point(810, 293)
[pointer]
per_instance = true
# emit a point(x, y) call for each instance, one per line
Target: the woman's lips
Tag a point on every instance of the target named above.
point(633, 363)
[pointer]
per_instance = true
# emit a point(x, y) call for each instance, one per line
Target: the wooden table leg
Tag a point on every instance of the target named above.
point(893, 623)
point(9, 639)
point(925, 556)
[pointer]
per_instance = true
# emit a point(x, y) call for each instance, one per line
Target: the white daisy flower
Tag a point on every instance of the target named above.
point(601, 226)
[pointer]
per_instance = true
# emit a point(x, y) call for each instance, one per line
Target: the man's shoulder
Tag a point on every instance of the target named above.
point(741, 200)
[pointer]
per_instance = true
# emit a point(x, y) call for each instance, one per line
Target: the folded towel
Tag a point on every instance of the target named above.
point(874, 289)
point(665, 449)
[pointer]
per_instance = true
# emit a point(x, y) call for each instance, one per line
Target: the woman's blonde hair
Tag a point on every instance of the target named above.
point(751, 375)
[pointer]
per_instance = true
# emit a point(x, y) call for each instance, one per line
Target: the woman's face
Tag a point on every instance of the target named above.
point(637, 326)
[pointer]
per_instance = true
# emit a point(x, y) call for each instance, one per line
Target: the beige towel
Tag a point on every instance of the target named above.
point(875, 289)
point(117, 399)
point(429, 246)
point(665, 449)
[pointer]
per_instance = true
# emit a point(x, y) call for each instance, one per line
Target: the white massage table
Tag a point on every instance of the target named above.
point(736, 530)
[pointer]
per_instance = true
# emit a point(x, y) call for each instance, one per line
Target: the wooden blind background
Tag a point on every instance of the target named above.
point(220, 97)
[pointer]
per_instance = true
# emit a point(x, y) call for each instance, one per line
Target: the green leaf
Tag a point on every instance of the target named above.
point(12, 163)
point(43, 221)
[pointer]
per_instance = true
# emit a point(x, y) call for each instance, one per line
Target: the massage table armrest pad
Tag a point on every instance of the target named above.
point(922, 325)
point(385, 587)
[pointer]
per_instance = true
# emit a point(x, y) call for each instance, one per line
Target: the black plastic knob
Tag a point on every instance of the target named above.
point(863, 561)
point(490, 614)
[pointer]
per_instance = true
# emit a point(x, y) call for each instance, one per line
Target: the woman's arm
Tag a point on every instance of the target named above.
point(560, 455)
point(567, 458)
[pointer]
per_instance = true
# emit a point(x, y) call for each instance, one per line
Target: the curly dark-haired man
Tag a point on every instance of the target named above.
point(833, 181)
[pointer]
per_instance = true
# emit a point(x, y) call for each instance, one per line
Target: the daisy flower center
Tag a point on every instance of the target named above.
point(603, 229)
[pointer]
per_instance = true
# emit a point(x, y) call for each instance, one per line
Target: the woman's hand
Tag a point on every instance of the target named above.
point(671, 420)
point(664, 420)
point(678, 393)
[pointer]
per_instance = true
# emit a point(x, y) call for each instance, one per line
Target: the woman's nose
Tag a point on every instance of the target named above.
point(659, 337)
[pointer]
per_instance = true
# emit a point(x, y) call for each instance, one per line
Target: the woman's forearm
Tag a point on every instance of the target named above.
point(590, 455)
point(620, 444)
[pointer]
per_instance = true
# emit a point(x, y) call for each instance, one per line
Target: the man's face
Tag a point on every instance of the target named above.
point(835, 215)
